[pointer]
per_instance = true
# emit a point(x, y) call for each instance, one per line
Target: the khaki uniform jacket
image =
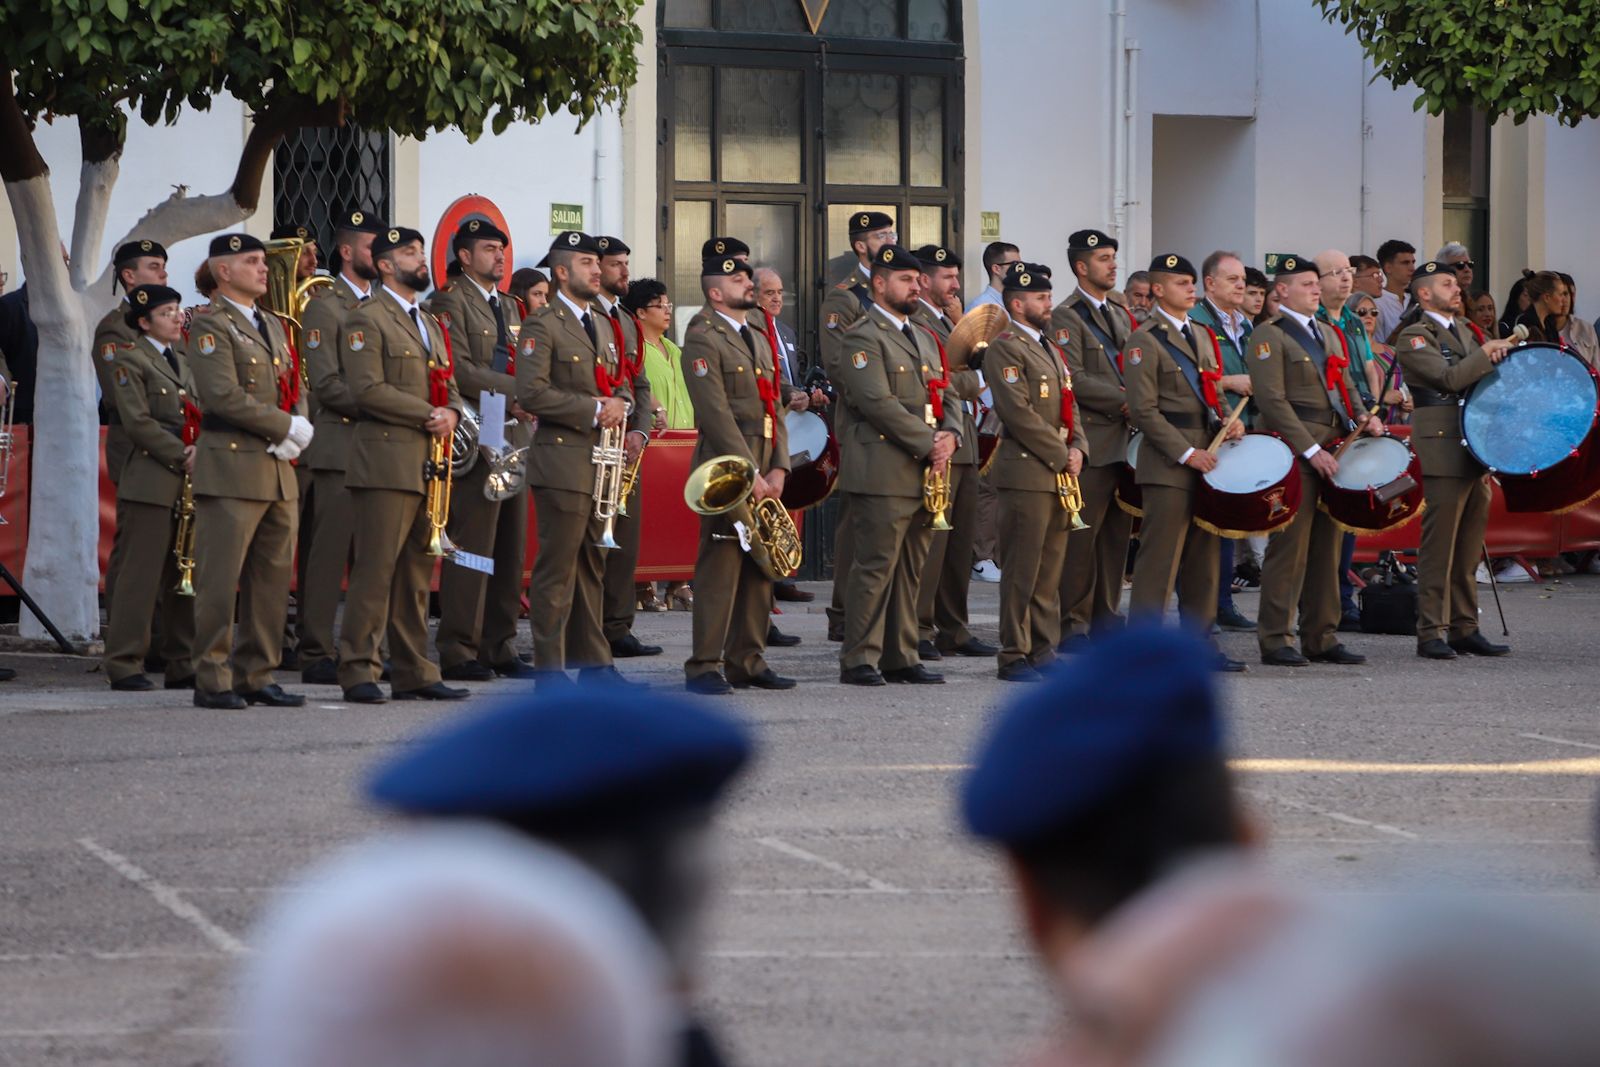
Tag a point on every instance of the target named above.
point(335, 410)
point(964, 385)
point(1096, 383)
point(387, 367)
point(1026, 383)
point(884, 381)
point(111, 335)
point(236, 373)
point(149, 397)
point(556, 382)
point(462, 310)
point(1163, 403)
point(841, 309)
point(1289, 392)
point(721, 376)
point(1433, 359)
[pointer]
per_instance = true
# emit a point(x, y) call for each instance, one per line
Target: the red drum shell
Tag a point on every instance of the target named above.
point(1269, 501)
point(1358, 510)
point(810, 483)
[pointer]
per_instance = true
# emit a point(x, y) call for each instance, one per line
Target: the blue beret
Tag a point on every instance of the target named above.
point(1137, 700)
point(584, 761)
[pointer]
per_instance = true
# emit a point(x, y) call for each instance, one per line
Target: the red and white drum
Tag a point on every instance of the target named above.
point(1129, 498)
point(813, 460)
point(1254, 488)
point(1378, 487)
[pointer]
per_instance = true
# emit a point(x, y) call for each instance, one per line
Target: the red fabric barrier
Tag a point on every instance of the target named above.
point(14, 507)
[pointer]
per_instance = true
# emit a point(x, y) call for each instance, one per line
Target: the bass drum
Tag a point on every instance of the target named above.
point(1128, 497)
point(1531, 421)
point(1254, 488)
point(1378, 487)
point(989, 427)
point(813, 460)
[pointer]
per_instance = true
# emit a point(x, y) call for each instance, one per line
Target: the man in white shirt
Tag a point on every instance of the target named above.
point(1398, 261)
point(997, 259)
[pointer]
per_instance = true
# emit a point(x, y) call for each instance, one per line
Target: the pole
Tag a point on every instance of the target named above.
point(11, 580)
point(1495, 585)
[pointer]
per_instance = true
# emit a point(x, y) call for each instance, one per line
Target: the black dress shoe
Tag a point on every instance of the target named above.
point(1350, 622)
point(1229, 666)
point(526, 658)
point(289, 659)
point(1235, 622)
point(1287, 656)
point(926, 651)
point(1073, 643)
point(186, 682)
point(323, 672)
point(866, 674)
point(790, 591)
point(468, 671)
point(273, 696)
point(383, 673)
point(711, 684)
point(228, 701)
point(1435, 649)
point(1338, 654)
point(972, 647)
point(1018, 671)
point(1478, 645)
point(767, 679)
point(436, 691)
point(133, 683)
point(916, 674)
point(836, 633)
point(7, 674)
point(607, 675)
point(514, 668)
point(776, 638)
point(631, 646)
point(365, 693)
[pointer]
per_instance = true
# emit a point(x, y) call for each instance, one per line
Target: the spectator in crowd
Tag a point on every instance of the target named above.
point(462, 946)
point(1481, 311)
point(647, 299)
point(1368, 276)
point(1398, 261)
point(997, 258)
point(205, 285)
point(5, 276)
point(532, 287)
point(1384, 377)
point(1576, 332)
point(1547, 296)
point(1255, 295)
point(1517, 302)
point(1455, 253)
point(1336, 277)
point(1138, 293)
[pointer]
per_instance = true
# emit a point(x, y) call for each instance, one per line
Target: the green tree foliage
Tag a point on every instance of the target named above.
point(1516, 57)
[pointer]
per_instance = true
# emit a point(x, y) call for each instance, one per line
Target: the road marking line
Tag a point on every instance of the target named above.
point(184, 1031)
point(1329, 813)
point(777, 844)
point(1560, 741)
point(105, 955)
point(166, 896)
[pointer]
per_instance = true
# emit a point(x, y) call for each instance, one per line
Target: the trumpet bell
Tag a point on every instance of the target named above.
point(439, 545)
point(1077, 522)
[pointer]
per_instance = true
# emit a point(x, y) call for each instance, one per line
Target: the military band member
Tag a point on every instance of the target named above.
point(734, 387)
point(1093, 324)
point(894, 437)
point(478, 613)
point(621, 601)
point(152, 390)
point(306, 266)
point(1304, 392)
point(1441, 358)
point(397, 367)
point(336, 413)
point(1172, 374)
point(570, 376)
point(947, 575)
point(846, 303)
point(244, 487)
point(136, 263)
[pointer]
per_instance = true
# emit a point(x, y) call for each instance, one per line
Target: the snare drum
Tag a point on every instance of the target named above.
point(1128, 497)
point(813, 460)
point(1531, 421)
point(1254, 488)
point(1378, 487)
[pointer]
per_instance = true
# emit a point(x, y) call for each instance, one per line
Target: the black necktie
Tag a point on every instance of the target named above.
point(416, 320)
point(749, 340)
point(502, 353)
point(1099, 316)
point(911, 335)
point(1453, 332)
point(588, 326)
point(1316, 337)
point(172, 361)
point(261, 326)
point(1188, 337)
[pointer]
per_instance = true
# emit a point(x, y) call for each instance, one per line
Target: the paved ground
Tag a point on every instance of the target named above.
point(857, 927)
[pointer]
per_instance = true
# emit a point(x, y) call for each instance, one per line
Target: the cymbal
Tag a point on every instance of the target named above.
point(973, 333)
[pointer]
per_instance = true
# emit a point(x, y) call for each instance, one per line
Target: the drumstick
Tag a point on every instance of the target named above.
point(1350, 438)
point(1232, 418)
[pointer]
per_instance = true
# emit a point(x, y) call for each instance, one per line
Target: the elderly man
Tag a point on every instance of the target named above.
point(1458, 256)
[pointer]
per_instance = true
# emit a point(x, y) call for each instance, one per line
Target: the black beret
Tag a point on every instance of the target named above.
point(143, 299)
point(292, 230)
point(395, 237)
point(233, 244)
point(1432, 267)
point(570, 241)
point(358, 220)
point(136, 250)
point(612, 246)
point(724, 266)
point(868, 221)
point(1294, 264)
point(1089, 240)
point(893, 257)
point(1027, 278)
point(724, 246)
point(934, 256)
point(1172, 263)
point(479, 230)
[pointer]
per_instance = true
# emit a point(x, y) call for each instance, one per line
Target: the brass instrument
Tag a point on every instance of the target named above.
point(436, 480)
point(183, 539)
point(287, 297)
point(464, 441)
point(1071, 496)
point(507, 465)
point(723, 485)
point(608, 459)
point(630, 477)
point(970, 337)
point(936, 496)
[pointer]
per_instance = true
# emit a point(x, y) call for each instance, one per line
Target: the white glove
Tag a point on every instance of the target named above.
point(300, 431)
point(285, 449)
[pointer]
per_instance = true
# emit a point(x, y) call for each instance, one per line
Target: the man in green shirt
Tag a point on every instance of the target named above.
point(1338, 279)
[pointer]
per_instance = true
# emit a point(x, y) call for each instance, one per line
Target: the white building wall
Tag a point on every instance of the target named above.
point(1572, 228)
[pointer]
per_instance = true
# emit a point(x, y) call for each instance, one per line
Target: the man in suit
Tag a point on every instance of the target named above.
point(398, 369)
point(734, 385)
point(1044, 438)
point(1441, 358)
point(1174, 398)
point(151, 389)
point(571, 377)
point(139, 262)
point(947, 575)
point(895, 436)
point(244, 486)
point(1306, 395)
point(478, 613)
point(336, 413)
point(1092, 325)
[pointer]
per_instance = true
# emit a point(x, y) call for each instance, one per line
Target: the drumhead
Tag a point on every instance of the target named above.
point(1254, 461)
point(1371, 462)
point(1531, 411)
point(1133, 449)
point(808, 436)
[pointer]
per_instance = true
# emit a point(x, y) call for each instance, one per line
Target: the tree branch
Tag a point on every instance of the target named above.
point(19, 156)
point(271, 125)
point(102, 156)
point(177, 218)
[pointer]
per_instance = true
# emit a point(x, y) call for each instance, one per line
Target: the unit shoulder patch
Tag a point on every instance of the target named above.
point(208, 343)
point(313, 338)
point(1263, 350)
point(108, 351)
point(357, 340)
point(1011, 375)
point(1135, 356)
point(1419, 342)
point(859, 361)
point(701, 368)
point(122, 375)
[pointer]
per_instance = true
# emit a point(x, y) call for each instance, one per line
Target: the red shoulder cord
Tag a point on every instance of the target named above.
point(511, 341)
point(1335, 368)
point(604, 380)
point(768, 388)
point(937, 386)
point(289, 382)
point(1475, 331)
point(1210, 378)
point(191, 423)
point(1067, 397)
point(439, 376)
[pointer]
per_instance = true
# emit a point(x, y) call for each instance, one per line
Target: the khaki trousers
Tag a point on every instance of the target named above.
point(146, 585)
point(1091, 581)
point(1031, 555)
point(248, 546)
point(1301, 570)
point(1447, 560)
point(478, 612)
point(323, 567)
point(891, 535)
point(388, 592)
point(1174, 551)
point(567, 586)
point(732, 603)
point(621, 603)
point(947, 575)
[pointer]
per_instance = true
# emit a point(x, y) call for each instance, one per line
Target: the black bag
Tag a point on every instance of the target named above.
point(1389, 601)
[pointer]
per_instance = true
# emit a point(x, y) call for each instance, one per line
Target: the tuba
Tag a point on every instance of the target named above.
point(287, 296)
point(722, 486)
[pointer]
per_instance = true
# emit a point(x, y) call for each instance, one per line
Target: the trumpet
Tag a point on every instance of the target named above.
point(936, 495)
point(630, 477)
point(1070, 494)
point(723, 485)
point(436, 477)
point(183, 539)
point(609, 459)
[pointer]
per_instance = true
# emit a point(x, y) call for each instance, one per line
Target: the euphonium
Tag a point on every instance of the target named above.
point(608, 459)
point(723, 485)
point(936, 495)
point(286, 296)
point(436, 480)
point(183, 539)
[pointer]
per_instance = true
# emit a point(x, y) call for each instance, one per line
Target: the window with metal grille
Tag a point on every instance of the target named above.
point(320, 172)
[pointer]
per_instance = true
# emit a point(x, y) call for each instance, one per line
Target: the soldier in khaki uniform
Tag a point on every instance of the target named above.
point(1291, 361)
point(397, 367)
point(947, 575)
point(893, 438)
point(846, 303)
point(244, 487)
point(734, 386)
point(136, 263)
point(151, 385)
point(570, 376)
point(1171, 371)
point(332, 520)
point(478, 613)
point(1441, 358)
point(1043, 438)
point(1093, 325)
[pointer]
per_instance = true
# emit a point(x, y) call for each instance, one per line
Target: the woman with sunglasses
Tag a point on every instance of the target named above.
point(1384, 376)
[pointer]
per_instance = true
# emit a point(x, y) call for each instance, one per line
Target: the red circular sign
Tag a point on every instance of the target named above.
point(463, 210)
